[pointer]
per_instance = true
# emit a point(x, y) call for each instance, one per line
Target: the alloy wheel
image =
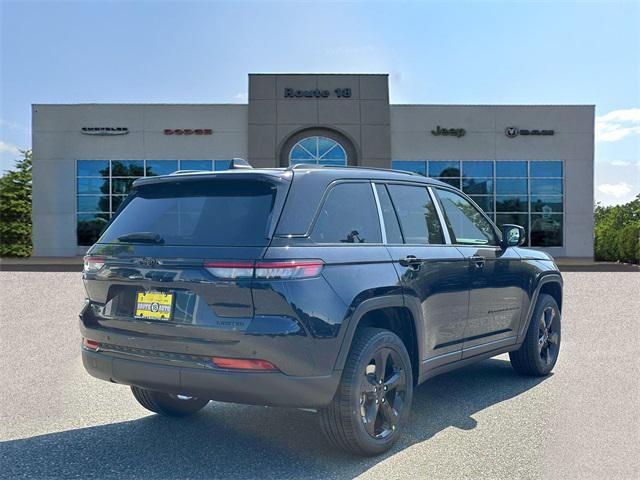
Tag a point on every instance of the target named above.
point(382, 393)
point(548, 335)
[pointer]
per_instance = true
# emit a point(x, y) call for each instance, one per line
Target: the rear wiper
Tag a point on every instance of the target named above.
point(141, 237)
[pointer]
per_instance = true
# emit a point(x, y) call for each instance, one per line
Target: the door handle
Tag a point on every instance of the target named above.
point(411, 261)
point(477, 260)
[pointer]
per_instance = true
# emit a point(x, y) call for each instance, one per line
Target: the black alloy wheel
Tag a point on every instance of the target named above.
point(373, 401)
point(539, 351)
point(382, 393)
point(548, 336)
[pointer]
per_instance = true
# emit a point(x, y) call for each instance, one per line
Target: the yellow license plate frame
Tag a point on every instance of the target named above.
point(154, 305)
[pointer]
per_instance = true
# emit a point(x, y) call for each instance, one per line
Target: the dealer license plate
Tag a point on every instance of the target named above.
point(154, 305)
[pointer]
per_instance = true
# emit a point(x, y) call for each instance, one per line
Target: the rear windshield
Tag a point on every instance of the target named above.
point(201, 213)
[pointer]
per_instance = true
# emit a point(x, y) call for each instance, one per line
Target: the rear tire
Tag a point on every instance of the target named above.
point(168, 404)
point(539, 352)
point(373, 400)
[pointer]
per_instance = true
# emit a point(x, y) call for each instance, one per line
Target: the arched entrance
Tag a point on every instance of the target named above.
point(318, 146)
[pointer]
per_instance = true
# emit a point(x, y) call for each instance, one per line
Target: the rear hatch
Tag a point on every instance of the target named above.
point(179, 254)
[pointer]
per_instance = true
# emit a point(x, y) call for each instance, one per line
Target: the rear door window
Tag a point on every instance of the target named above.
point(199, 213)
point(417, 213)
point(348, 215)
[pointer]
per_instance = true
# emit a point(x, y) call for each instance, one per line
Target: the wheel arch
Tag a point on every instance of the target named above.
point(391, 313)
point(551, 284)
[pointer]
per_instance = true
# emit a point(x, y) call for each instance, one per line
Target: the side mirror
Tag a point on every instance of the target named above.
point(512, 236)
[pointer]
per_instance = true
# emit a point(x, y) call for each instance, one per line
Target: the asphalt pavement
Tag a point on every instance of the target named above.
point(483, 421)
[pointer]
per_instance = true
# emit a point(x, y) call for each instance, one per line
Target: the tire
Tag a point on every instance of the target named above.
point(539, 352)
point(375, 355)
point(168, 404)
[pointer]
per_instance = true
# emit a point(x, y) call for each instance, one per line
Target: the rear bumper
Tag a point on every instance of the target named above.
point(257, 388)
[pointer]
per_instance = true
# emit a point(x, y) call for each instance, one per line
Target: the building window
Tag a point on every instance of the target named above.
point(528, 193)
point(102, 186)
point(318, 151)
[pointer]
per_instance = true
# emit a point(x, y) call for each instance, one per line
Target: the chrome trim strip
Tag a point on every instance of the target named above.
point(380, 217)
point(445, 230)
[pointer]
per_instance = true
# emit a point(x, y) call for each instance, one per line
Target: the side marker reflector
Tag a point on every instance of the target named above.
point(243, 364)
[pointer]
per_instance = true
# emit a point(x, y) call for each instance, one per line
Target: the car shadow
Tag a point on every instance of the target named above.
point(236, 441)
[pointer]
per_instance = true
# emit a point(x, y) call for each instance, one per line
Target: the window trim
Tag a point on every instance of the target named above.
point(383, 228)
point(443, 225)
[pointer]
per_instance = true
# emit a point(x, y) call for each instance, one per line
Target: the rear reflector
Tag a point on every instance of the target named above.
point(243, 364)
point(272, 270)
point(90, 344)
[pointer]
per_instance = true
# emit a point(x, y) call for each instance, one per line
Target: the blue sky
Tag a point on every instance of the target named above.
point(453, 52)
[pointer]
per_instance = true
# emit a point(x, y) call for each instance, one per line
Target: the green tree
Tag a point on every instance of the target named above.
point(617, 232)
point(15, 209)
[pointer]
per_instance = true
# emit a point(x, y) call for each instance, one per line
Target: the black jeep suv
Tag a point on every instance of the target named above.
point(336, 289)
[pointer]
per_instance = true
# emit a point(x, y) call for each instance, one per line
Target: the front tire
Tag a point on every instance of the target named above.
point(374, 397)
point(168, 404)
point(539, 352)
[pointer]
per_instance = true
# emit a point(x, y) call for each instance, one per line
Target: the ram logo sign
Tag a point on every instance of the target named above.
point(513, 132)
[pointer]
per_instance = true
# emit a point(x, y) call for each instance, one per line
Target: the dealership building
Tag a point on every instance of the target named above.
point(531, 165)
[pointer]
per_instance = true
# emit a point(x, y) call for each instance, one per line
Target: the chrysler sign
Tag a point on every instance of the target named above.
point(103, 131)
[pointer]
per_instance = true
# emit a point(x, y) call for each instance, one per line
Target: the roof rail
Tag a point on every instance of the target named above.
point(186, 172)
point(314, 166)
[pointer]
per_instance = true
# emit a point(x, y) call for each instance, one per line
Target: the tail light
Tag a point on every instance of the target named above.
point(243, 364)
point(267, 270)
point(288, 269)
point(92, 264)
point(230, 269)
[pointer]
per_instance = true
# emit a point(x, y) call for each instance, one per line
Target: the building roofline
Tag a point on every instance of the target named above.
point(330, 73)
point(111, 104)
point(492, 105)
point(495, 105)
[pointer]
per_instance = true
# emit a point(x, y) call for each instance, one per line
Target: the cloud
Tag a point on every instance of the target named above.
point(9, 148)
point(625, 163)
point(242, 97)
point(617, 190)
point(616, 125)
